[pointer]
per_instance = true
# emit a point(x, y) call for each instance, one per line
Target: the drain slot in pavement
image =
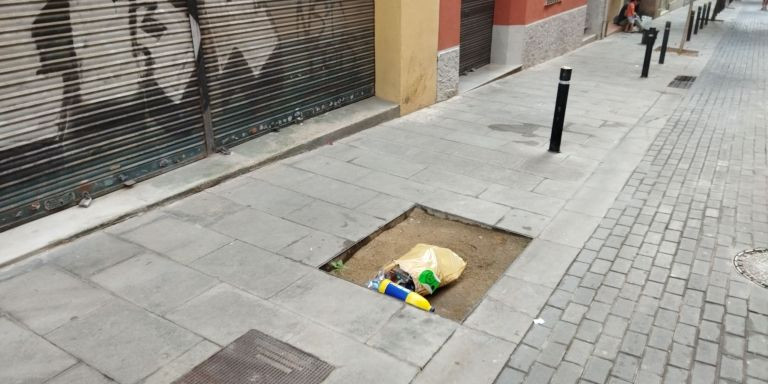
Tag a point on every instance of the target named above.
point(753, 264)
point(259, 359)
point(683, 82)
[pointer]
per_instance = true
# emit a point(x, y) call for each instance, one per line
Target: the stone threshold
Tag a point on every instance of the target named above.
point(28, 239)
point(590, 38)
point(485, 75)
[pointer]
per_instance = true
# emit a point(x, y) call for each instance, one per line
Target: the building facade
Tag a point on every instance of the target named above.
point(511, 32)
point(97, 96)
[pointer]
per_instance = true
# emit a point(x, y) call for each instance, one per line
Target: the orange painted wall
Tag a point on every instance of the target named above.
point(523, 12)
point(450, 24)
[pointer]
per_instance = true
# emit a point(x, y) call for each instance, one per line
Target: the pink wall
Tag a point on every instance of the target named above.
point(450, 24)
point(523, 12)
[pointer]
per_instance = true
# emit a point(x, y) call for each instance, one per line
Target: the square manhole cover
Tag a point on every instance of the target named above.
point(683, 82)
point(259, 359)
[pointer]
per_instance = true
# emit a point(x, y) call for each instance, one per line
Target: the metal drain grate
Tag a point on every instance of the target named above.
point(753, 264)
point(683, 82)
point(256, 358)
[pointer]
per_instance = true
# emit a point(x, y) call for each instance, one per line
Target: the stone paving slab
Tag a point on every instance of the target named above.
point(385, 207)
point(523, 296)
point(317, 248)
point(47, 298)
point(354, 362)
point(477, 210)
point(252, 269)
point(410, 327)
point(265, 197)
point(324, 299)
point(453, 364)
point(523, 222)
point(336, 220)
point(177, 239)
point(205, 208)
point(330, 167)
point(542, 262)
point(28, 358)
point(496, 318)
point(183, 364)
point(261, 229)
point(94, 253)
point(529, 201)
point(123, 341)
point(570, 228)
point(225, 313)
point(154, 282)
point(334, 192)
point(80, 374)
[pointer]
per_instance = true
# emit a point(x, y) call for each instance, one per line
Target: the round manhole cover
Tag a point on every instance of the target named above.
point(753, 264)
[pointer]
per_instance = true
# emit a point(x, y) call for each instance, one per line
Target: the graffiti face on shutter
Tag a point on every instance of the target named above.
point(108, 61)
point(96, 93)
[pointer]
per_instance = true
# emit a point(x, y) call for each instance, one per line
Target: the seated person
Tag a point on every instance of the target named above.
point(622, 20)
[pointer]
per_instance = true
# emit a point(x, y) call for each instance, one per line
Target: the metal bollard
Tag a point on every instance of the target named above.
point(648, 51)
point(560, 104)
point(664, 41)
point(701, 22)
point(698, 21)
point(706, 15)
point(691, 24)
point(644, 39)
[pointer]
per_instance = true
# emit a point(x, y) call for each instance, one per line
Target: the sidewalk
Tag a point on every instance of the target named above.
point(147, 299)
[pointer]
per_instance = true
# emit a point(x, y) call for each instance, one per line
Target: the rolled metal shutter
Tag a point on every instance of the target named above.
point(93, 95)
point(476, 34)
point(275, 63)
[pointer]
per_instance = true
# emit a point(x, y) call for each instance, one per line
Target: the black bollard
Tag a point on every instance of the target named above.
point(716, 10)
point(691, 24)
point(698, 21)
point(664, 41)
point(701, 22)
point(560, 104)
point(644, 39)
point(648, 51)
point(706, 14)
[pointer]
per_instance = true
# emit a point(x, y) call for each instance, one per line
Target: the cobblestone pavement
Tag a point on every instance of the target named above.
point(653, 296)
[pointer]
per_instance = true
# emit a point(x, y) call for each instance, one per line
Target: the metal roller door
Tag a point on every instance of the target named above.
point(94, 94)
point(276, 62)
point(476, 34)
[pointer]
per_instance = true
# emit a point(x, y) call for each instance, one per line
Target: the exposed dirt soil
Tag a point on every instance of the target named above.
point(487, 252)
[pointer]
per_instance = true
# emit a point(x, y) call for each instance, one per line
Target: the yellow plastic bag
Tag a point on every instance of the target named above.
point(430, 267)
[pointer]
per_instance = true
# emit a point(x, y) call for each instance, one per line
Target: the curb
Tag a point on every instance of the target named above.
point(62, 227)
